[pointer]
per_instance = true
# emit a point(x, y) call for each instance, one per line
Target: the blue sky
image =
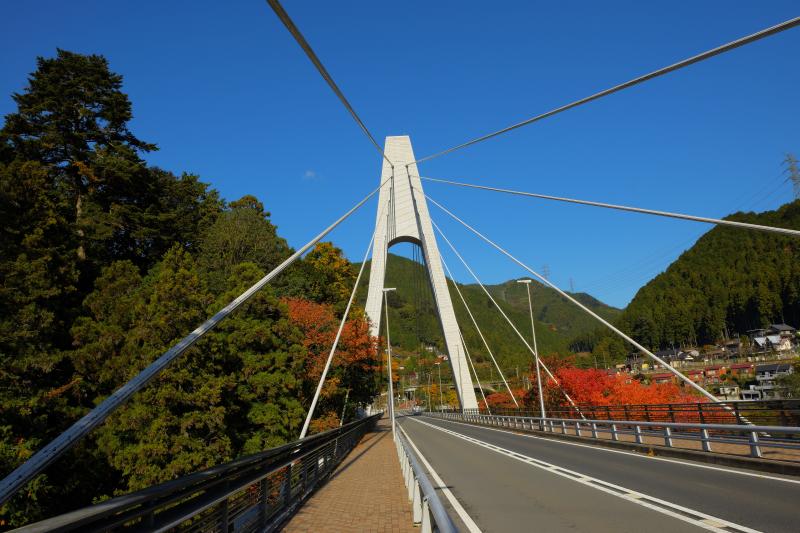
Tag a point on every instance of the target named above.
point(226, 93)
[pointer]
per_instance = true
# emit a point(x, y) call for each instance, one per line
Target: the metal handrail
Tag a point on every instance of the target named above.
point(262, 489)
point(755, 437)
point(427, 508)
point(784, 412)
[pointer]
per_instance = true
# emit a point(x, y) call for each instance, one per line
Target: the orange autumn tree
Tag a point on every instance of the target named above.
point(590, 386)
point(353, 372)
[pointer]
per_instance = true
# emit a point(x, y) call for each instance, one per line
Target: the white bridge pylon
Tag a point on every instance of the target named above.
point(403, 217)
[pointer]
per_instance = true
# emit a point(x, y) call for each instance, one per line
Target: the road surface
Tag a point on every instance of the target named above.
point(503, 481)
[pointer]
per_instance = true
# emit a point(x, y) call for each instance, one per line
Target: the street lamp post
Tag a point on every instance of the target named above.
point(527, 283)
point(389, 354)
point(441, 397)
point(430, 403)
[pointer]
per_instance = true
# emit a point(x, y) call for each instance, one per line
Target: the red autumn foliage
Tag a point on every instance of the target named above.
point(319, 325)
point(599, 387)
point(590, 386)
point(503, 399)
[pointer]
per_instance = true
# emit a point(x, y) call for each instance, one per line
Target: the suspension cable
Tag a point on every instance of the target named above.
point(472, 365)
point(510, 323)
point(335, 345)
point(52, 451)
point(290, 25)
point(605, 322)
point(636, 81)
point(480, 333)
point(717, 221)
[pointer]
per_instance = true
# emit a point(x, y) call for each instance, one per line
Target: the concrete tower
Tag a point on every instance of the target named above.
point(403, 217)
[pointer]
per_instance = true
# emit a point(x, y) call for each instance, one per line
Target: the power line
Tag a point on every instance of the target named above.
point(717, 221)
point(287, 21)
point(636, 81)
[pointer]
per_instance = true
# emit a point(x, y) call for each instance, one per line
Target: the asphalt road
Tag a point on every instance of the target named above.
point(511, 482)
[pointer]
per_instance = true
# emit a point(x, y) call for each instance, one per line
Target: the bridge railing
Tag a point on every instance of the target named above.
point(254, 493)
point(427, 508)
point(781, 442)
point(762, 412)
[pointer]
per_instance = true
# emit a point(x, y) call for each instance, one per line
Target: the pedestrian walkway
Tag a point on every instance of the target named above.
point(366, 493)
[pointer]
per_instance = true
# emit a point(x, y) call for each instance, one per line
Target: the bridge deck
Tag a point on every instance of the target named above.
point(510, 482)
point(366, 493)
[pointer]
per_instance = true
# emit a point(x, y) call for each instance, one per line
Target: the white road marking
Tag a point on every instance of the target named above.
point(623, 452)
point(691, 516)
point(462, 513)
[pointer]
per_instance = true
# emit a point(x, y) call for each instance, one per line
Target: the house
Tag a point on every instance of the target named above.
point(751, 394)
point(767, 377)
point(728, 392)
point(776, 338)
point(666, 377)
point(732, 348)
point(714, 373)
point(695, 375)
point(742, 369)
point(677, 358)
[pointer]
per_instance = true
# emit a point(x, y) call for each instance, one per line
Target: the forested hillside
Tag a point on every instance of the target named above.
point(105, 262)
point(413, 319)
point(731, 280)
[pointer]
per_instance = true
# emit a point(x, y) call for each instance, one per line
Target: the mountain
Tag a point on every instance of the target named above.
point(414, 321)
point(732, 280)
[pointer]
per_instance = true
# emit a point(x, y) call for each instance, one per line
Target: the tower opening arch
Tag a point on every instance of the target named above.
point(403, 216)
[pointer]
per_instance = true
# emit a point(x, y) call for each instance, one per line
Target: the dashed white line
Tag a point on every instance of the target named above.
point(685, 514)
point(470, 524)
point(622, 452)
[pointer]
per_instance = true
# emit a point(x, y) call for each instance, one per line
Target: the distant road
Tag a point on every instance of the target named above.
point(511, 482)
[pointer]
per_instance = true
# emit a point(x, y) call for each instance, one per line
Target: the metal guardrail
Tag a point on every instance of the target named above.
point(254, 493)
point(756, 438)
point(427, 508)
point(761, 412)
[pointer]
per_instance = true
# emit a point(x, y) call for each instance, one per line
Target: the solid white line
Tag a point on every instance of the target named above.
point(462, 513)
point(623, 452)
point(685, 514)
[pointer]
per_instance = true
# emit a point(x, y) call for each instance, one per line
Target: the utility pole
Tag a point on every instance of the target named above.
point(389, 355)
point(527, 283)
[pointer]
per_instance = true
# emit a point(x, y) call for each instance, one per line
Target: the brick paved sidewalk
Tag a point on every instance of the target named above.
point(366, 493)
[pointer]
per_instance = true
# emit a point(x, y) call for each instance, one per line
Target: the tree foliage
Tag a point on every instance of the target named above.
point(107, 262)
point(731, 281)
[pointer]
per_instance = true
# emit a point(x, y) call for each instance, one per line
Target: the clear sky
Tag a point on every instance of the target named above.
point(226, 93)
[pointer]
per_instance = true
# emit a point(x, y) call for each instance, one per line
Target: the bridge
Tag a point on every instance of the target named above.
point(726, 467)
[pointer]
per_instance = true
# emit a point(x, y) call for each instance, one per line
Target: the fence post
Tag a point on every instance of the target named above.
point(578, 428)
point(668, 437)
point(594, 430)
point(704, 437)
point(262, 503)
point(614, 435)
point(224, 516)
point(287, 485)
point(638, 432)
point(416, 504)
point(426, 517)
point(755, 449)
